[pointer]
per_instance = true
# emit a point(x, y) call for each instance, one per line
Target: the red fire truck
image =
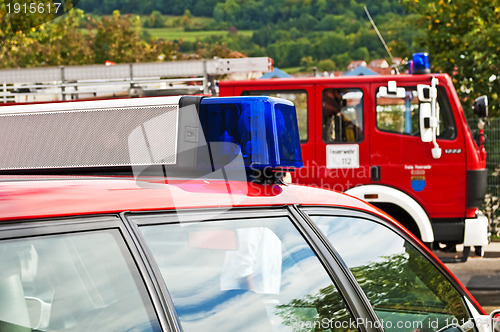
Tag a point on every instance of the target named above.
point(401, 142)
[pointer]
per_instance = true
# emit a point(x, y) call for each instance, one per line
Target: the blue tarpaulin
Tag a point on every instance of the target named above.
point(276, 73)
point(361, 70)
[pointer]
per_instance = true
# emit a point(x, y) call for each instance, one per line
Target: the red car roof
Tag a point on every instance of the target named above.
point(40, 197)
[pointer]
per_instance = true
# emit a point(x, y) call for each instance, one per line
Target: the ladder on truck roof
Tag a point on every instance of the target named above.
point(131, 79)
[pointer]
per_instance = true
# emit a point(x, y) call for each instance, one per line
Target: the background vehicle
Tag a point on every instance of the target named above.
point(196, 231)
point(400, 142)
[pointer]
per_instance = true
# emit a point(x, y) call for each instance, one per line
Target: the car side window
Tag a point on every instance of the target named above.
point(77, 282)
point(252, 274)
point(407, 292)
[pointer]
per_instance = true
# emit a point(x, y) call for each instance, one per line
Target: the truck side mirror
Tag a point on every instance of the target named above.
point(494, 321)
point(391, 91)
point(480, 107)
point(426, 93)
point(425, 122)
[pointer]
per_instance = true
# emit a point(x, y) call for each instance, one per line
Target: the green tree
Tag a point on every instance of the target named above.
point(326, 65)
point(204, 7)
point(399, 33)
point(294, 51)
point(306, 22)
point(463, 38)
point(24, 15)
point(228, 11)
point(306, 63)
point(329, 22)
point(186, 19)
point(155, 20)
point(361, 54)
point(330, 43)
point(59, 42)
point(118, 39)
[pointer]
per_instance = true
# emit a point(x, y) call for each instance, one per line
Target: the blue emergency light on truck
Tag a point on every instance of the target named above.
point(420, 64)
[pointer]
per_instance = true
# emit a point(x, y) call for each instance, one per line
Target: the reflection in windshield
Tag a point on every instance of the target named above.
point(400, 283)
point(369, 237)
point(256, 264)
point(271, 281)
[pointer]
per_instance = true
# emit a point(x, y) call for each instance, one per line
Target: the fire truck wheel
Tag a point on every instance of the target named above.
point(449, 247)
point(465, 254)
point(479, 251)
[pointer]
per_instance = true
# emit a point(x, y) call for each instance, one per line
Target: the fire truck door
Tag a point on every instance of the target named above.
point(405, 162)
point(341, 143)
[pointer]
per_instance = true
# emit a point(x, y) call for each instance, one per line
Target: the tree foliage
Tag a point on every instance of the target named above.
point(24, 15)
point(288, 30)
point(155, 20)
point(323, 32)
point(464, 40)
point(405, 284)
point(50, 44)
point(117, 38)
point(327, 34)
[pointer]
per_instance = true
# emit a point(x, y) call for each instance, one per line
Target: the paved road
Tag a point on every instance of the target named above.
point(481, 276)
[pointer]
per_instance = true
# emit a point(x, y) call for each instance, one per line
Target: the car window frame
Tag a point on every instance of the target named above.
point(408, 237)
point(75, 224)
point(340, 275)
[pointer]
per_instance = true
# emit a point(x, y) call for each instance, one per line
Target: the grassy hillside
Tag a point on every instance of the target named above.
point(180, 34)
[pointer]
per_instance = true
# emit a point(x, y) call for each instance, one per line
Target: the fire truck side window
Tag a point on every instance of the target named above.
point(71, 282)
point(298, 98)
point(405, 289)
point(342, 115)
point(402, 115)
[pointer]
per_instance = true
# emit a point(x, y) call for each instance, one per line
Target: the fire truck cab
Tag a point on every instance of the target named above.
point(401, 142)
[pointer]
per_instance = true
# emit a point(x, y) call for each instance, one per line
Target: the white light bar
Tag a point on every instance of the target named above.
point(119, 132)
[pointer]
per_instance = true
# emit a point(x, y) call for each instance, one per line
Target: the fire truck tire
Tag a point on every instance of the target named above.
point(465, 253)
point(479, 251)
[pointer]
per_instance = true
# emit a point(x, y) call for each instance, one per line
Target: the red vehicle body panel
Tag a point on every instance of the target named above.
point(59, 196)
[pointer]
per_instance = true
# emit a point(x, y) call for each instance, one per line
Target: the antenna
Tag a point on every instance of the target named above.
point(380, 36)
